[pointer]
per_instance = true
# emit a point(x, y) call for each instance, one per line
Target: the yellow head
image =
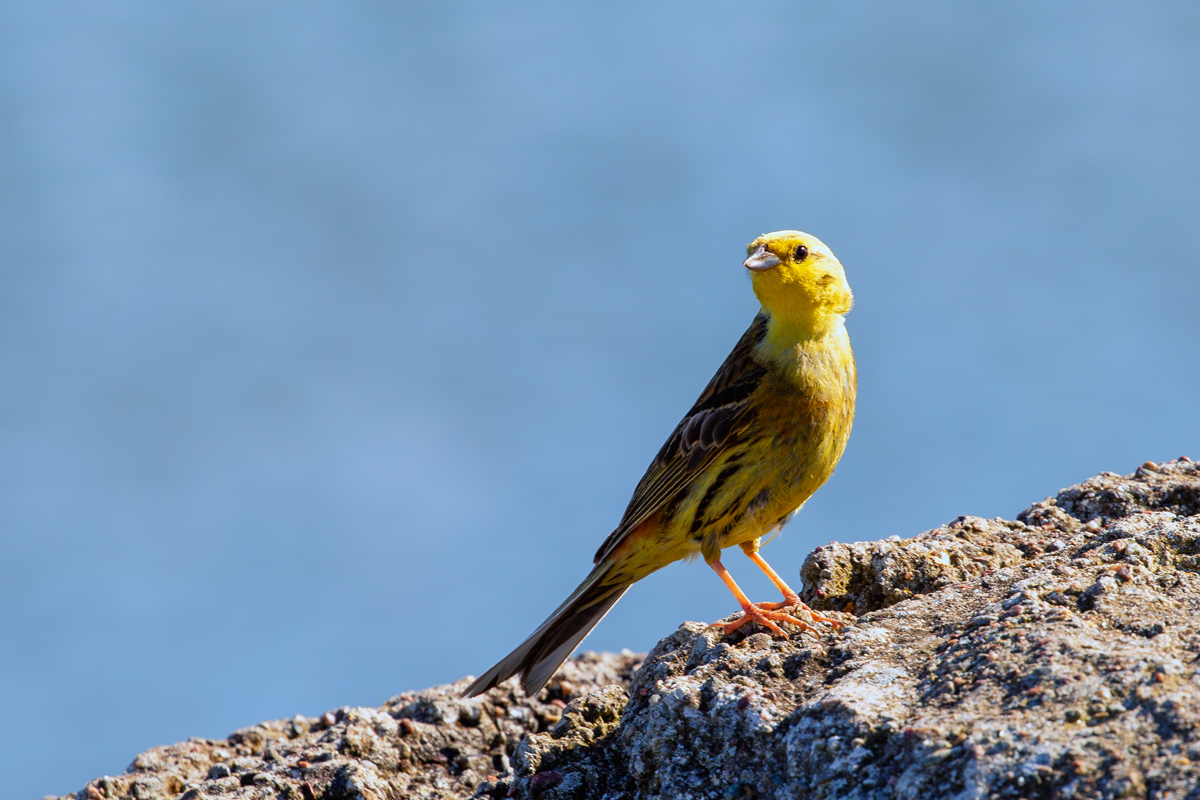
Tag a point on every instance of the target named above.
point(798, 280)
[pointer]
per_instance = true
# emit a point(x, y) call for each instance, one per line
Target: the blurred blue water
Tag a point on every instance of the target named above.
point(334, 336)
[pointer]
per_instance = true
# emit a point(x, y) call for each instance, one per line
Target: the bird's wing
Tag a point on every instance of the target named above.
point(705, 432)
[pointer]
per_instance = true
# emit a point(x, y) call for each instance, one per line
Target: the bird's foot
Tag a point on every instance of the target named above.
point(755, 612)
point(794, 601)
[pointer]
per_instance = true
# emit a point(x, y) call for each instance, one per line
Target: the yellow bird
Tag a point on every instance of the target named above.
point(766, 432)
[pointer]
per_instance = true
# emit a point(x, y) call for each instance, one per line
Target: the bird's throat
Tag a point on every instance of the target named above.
point(786, 332)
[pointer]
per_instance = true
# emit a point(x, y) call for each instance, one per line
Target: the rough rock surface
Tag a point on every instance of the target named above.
point(427, 744)
point(1054, 656)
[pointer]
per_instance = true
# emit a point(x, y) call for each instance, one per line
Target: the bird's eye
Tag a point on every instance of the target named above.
point(800, 253)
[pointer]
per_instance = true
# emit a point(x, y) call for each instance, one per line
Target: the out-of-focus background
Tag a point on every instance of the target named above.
point(334, 337)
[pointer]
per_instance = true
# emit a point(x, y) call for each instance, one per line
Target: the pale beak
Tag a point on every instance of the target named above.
point(761, 259)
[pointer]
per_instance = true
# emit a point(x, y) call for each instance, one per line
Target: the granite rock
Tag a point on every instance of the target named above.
point(427, 744)
point(1053, 656)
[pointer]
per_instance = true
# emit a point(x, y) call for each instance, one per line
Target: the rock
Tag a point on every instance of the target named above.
point(992, 658)
point(1053, 656)
point(427, 744)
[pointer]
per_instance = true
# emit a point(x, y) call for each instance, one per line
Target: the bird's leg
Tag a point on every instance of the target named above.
point(790, 598)
point(750, 612)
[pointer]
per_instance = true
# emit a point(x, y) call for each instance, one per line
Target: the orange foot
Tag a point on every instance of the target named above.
point(767, 614)
point(766, 617)
point(794, 601)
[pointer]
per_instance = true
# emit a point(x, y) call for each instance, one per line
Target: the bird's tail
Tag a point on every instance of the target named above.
point(540, 655)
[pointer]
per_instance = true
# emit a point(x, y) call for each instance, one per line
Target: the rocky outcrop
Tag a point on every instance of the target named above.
point(427, 744)
point(1054, 656)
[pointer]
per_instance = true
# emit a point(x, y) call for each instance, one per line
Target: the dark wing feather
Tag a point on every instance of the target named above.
point(704, 433)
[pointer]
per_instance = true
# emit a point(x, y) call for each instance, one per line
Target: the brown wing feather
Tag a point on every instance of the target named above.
point(708, 429)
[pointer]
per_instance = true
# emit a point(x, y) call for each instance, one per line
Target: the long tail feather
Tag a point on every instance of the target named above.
point(540, 655)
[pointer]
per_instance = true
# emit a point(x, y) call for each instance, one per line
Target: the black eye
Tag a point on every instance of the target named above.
point(800, 254)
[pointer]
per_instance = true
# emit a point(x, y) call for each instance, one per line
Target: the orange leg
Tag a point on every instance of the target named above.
point(750, 612)
point(790, 598)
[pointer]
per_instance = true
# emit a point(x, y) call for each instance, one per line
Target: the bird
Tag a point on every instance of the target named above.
point(766, 432)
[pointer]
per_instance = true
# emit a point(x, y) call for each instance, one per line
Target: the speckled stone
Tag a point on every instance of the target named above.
point(1054, 656)
point(1049, 657)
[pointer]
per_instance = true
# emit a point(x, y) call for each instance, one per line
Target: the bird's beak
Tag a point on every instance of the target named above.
point(761, 259)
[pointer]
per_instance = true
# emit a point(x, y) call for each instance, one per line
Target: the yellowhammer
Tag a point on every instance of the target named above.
point(766, 432)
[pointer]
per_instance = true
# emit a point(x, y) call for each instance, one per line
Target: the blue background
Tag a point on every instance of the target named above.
point(334, 336)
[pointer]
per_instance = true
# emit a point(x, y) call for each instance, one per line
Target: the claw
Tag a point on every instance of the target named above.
point(795, 602)
point(790, 598)
point(767, 618)
point(767, 614)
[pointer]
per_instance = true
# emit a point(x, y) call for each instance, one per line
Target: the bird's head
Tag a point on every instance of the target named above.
point(797, 279)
